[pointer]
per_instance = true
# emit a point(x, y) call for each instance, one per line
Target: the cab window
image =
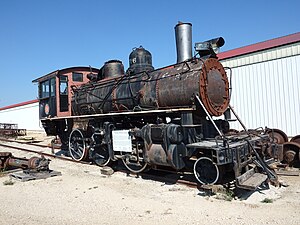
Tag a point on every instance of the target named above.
point(63, 94)
point(63, 87)
point(52, 87)
point(44, 89)
point(77, 77)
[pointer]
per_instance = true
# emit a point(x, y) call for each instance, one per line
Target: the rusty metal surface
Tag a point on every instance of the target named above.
point(214, 91)
point(176, 86)
point(277, 135)
point(296, 139)
point(290, 151)
point(170, 87)
point(7, 160)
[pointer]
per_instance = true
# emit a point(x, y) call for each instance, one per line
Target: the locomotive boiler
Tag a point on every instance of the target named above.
point(172, 87)
point(168, 117)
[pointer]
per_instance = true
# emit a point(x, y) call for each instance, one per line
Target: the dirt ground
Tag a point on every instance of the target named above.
point(82, 195)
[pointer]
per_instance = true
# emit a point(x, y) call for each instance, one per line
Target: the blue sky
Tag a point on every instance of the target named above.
point(39, 36)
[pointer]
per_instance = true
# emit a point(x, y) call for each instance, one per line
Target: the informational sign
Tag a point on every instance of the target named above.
point(121, 141)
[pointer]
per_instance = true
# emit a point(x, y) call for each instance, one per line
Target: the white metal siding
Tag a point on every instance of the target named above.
point(27, 116)
point(263, 56)
point(266, 93)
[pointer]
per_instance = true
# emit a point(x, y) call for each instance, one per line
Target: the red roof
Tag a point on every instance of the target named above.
point(19, 104)
point(289, 39)
point(54, 73)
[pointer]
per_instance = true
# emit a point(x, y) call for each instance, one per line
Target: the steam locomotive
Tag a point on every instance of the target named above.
point(148, 117)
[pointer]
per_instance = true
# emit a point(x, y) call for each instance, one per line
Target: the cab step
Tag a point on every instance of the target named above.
point(250, 180)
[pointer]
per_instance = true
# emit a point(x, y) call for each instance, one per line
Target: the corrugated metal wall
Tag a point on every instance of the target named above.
point(266, 89)
point(27, 116)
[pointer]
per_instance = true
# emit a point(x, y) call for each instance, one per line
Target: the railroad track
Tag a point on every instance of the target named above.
point(160, 175)
point(166, 176)
point(25, 142)
point(36, 152)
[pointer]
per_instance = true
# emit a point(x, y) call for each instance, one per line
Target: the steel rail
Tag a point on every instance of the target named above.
point(24, 142)
point(42, 153)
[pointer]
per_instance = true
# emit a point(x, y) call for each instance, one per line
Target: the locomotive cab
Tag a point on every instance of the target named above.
point(55, 90)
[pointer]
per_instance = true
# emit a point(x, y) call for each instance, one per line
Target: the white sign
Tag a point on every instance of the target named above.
point(121, 141)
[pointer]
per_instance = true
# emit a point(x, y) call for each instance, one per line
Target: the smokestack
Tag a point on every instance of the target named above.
point(183, 35)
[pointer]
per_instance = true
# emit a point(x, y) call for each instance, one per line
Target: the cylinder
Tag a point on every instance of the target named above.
point(18, 162)
point(32, 163)
point(183, 36)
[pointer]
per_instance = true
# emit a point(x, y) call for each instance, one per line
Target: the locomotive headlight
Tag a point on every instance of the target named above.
point(210, 47)
point(202, 46)
point(216, 44)
point(215, 48)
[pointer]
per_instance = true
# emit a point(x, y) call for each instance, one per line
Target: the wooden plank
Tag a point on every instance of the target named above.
point(287, 173)
point(241, 179)
point(25, 176)
point(10, 171)
point(255, 180)
point(251, 182)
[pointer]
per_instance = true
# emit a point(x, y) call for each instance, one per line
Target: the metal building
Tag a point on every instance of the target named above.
point(266, 83)
point(25, 115)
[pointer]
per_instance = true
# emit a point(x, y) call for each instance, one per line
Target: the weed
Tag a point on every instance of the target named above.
point(8, 182)
point(229, 195)
point(267, 200)
point(222, 192)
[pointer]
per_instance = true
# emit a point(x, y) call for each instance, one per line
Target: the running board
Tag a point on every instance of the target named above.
point(250, 180)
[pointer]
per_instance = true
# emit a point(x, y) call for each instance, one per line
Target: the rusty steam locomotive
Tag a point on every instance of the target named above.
point(155, 117)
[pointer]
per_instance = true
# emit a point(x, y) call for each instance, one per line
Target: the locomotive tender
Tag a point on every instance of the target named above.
point(155, 117)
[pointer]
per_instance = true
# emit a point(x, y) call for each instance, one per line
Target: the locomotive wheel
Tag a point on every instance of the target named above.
point(100, 156)
point(277, 135)
point(289, 156)
point(206, 171)
point(290, 151)
point(134, 162)
point(296, 139)
point(77, 145)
